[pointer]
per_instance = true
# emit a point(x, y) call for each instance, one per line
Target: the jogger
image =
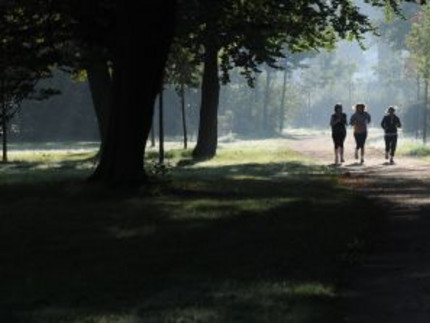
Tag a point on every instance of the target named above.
point(390, 123)
point(359, 120)
point(338, 132)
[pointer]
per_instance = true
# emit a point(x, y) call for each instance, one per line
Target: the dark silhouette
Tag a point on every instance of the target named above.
point(338, 132)
point(207, 140)
point(359, 120)
point(390, 122)
point(130, 117)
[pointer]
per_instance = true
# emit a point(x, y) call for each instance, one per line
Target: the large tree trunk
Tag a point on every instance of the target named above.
point(143, 37)
point(100, 83)
point(208, 126)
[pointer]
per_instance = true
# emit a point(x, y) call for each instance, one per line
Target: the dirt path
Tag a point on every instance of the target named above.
point(393, 286)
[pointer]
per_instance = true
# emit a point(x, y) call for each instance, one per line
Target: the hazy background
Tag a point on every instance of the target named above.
point(377, 75)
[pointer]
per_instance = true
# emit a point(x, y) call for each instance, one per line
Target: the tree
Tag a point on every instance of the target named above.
point(141, 35)
point(247, 34)
point(23, 29)
point(241, 33)
point(419, 44)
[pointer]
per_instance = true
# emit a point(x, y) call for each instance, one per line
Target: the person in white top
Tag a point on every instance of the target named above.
point(359, 120)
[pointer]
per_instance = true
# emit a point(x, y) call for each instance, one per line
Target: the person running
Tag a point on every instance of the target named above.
point(338, 132)
point(390, 122)
point(359, 120)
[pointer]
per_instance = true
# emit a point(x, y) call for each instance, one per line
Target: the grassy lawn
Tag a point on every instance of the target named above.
point(415, 148)
point(256, 235)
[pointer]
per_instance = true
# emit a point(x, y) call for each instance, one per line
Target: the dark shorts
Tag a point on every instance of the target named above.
point(360, 139)
point(390, 144)
point(338, 139)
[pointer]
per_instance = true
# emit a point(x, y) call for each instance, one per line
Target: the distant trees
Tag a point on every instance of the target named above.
point(183, 72)
point(419, 44)
point(246, 34)
point(241, 106)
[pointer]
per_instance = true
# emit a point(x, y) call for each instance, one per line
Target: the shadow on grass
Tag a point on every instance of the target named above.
point(243, 243)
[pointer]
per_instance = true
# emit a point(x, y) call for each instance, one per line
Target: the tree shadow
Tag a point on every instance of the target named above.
point(243, 243)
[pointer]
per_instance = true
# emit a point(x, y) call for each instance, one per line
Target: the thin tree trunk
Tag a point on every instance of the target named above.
point(310, 122)
point(4, 135)
point(418, 88)
point(417, 117)
point(152, 136)
point(426, 99)
point(184, 118)
point(266, 102)
point(282, 107)
point(208, 125)
point(161, 128)
point(143, 39)
point(256, 106)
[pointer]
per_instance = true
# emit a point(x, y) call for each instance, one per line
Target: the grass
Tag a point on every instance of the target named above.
point(415, 148)
point(256, 235)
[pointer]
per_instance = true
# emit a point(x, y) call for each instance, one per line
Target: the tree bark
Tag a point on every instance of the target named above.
point(207, 140)
point(425, 109)
point(184, 118)
point(282, 107)
point(4, 130)
point(152, 136)
point(100, 83)
point(265, 126)
point(161, 128)
point(143, 38)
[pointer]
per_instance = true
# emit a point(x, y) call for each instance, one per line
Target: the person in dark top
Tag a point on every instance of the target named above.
point(338, 132)
point(390, 123)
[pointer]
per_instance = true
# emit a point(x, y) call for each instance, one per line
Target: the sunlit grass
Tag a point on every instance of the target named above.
point(264, 151)
point(258, 234)
point(415, 148)
point(51, 153)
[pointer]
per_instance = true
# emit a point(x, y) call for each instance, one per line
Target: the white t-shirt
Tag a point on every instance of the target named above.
point(360, 121)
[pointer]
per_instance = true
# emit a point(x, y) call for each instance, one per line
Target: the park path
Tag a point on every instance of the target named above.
point(393, 285)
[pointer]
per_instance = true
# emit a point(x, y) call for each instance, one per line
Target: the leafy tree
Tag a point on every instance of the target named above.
point(236, 32)
point(23, 30)
point(248, 33)
point(395, 31)
point(419, 44)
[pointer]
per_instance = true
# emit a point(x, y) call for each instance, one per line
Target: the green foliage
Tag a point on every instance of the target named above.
point(395, 32)
point(418, 42)
point(26, 53)
point(250, 33)
point(413, 148)
point(182, 68)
